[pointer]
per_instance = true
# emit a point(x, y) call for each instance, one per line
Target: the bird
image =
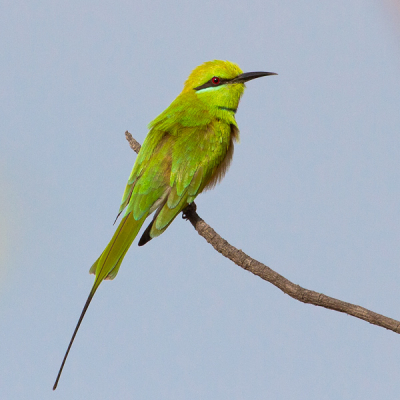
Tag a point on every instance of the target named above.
point(187, 150)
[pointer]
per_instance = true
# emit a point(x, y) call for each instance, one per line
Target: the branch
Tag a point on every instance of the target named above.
point(135, 145)
point(255, 267)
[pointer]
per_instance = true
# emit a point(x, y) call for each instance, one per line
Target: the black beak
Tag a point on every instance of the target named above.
point(248, 76)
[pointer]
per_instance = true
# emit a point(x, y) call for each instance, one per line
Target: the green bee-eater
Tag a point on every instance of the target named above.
point(188, 149)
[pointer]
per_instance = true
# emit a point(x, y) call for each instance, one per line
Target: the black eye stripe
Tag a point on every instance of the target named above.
point(212, 83)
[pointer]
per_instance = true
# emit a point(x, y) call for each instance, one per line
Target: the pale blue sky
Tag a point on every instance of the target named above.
point(313, 192)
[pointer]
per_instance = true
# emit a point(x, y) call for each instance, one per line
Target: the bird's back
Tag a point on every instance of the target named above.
point(187, 150)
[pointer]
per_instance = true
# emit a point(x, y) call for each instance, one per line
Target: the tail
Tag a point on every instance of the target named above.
point(107, 266)
point(89, 299)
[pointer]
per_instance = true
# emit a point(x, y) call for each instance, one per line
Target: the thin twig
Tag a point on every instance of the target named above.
point(135, 145)
point(250, 264)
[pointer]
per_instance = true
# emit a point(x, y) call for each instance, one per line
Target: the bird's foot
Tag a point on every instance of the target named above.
point(189, 209)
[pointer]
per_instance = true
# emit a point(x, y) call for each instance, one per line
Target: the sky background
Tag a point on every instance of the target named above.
point(313, 192)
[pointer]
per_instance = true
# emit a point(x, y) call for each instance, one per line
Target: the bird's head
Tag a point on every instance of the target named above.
point(220, 83)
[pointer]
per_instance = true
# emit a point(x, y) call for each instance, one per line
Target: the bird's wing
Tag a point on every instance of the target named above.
point(198, 158)
point(185, 151)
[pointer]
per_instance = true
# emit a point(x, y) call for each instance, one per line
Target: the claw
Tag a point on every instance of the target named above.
point(189, 209)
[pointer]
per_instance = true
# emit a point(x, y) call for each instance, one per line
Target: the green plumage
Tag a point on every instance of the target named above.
point(187, 150)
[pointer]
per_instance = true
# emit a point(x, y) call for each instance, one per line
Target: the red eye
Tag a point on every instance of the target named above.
point(215, 80)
